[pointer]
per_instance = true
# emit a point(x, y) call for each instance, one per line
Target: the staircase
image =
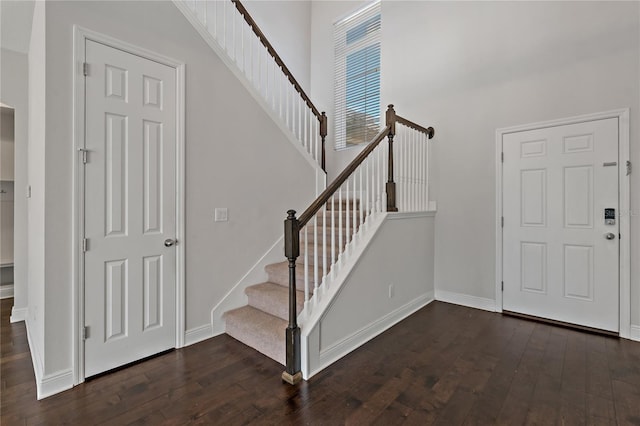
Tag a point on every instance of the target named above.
point(261, 323)
point(283, 314)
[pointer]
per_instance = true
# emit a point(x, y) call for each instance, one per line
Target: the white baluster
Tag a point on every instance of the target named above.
point(340, 245)
point(224, 25)
point(324, 241)
point(334, 255)
point(355, 209)
point(361, 200)
point(315, 259)
point(306, 265)
point(316, 131)
point(212, 21)
point(346, 216)
point(428, 171)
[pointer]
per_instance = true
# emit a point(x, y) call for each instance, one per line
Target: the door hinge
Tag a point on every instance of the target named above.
point(502, 221)
point(85, 69)
point(85, 245)
point(502, 157)
point(84, 153)
point(629, 167)
point(85, 332)
point(502, 287)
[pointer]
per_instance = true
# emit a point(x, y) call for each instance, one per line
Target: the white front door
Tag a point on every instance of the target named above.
point(560, 256)
point(130, 208)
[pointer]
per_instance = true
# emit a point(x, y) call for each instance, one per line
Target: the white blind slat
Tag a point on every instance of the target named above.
point(357, 77)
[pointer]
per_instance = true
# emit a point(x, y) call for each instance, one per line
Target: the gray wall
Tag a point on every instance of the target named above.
point(287, 26)
point(468, 68)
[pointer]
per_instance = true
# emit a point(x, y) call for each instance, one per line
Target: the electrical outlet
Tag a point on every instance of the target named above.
point(391, 291)
point(221, 214)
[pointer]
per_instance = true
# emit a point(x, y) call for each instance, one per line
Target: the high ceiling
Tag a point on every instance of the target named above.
point(15, 24)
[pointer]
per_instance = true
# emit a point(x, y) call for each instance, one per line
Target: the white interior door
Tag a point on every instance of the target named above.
point(130, 208)
point(560, 256)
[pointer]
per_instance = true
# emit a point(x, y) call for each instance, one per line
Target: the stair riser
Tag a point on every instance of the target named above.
point(258, 330)
point(276, 305)
point(336, 205)
point(334, 220)
point(281, 276)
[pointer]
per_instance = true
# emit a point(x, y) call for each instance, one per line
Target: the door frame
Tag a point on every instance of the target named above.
point(624, 204)
point(80, 37)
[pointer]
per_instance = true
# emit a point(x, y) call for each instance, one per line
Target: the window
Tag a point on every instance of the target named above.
point(357, 77)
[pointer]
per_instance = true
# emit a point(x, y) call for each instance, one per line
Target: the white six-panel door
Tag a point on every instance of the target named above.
point(130, 208)
point(560, 258)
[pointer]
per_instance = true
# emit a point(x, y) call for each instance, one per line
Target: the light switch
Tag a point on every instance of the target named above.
point(221, 215)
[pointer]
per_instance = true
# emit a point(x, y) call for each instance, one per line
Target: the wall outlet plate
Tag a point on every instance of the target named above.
point(221, 214)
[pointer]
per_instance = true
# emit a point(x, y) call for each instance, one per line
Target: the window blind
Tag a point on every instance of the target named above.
point(357, 77)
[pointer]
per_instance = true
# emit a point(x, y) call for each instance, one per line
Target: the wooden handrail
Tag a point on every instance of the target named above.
point(429, 131)
point(342, 177)
point(263, 39)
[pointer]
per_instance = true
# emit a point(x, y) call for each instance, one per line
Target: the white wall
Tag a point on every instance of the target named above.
point(14, 76)
point(236, 158)
point(468, 68)
point(287, 26)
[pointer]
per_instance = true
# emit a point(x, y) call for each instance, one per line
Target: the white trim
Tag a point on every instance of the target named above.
point(54, 383)
point(36, 359)
point(18, 314)
point(46, 384)
point(624, 203)
point(80, 36)
point(198, 334)
point(466, 300)
point(352, 342)
point(410, 215)
point(6, 291)
point(634, 333)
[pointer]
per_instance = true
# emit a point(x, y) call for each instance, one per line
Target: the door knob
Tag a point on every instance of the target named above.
point(170, 242)
point(608, 236)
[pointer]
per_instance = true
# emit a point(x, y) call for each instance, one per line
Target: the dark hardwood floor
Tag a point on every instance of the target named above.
point(444, 365)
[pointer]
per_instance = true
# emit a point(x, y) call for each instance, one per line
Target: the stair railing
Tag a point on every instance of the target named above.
point(364, 189)
point(244, 43)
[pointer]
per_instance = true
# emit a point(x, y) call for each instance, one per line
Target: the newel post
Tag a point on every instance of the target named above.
point(391, 185)
point(323, 135)
point(292, 374)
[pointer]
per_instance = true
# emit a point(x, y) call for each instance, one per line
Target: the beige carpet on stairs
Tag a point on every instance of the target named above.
point(262, 323)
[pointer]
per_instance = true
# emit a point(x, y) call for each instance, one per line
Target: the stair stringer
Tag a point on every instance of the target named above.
point(234, 68)
point(418, 277)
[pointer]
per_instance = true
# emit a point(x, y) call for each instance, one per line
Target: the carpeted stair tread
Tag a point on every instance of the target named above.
point(259, 330)
point(273, 299)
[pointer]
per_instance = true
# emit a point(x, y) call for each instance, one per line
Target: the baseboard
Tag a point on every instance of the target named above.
point(635, 333)
point(362, 336)
point(6, 291)
point(466, 300)
point(46, 384)
point(18, 314)
point(57, 382)
point(198, 334)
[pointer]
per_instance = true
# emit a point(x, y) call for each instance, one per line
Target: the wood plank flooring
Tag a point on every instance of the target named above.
point(444, 365)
